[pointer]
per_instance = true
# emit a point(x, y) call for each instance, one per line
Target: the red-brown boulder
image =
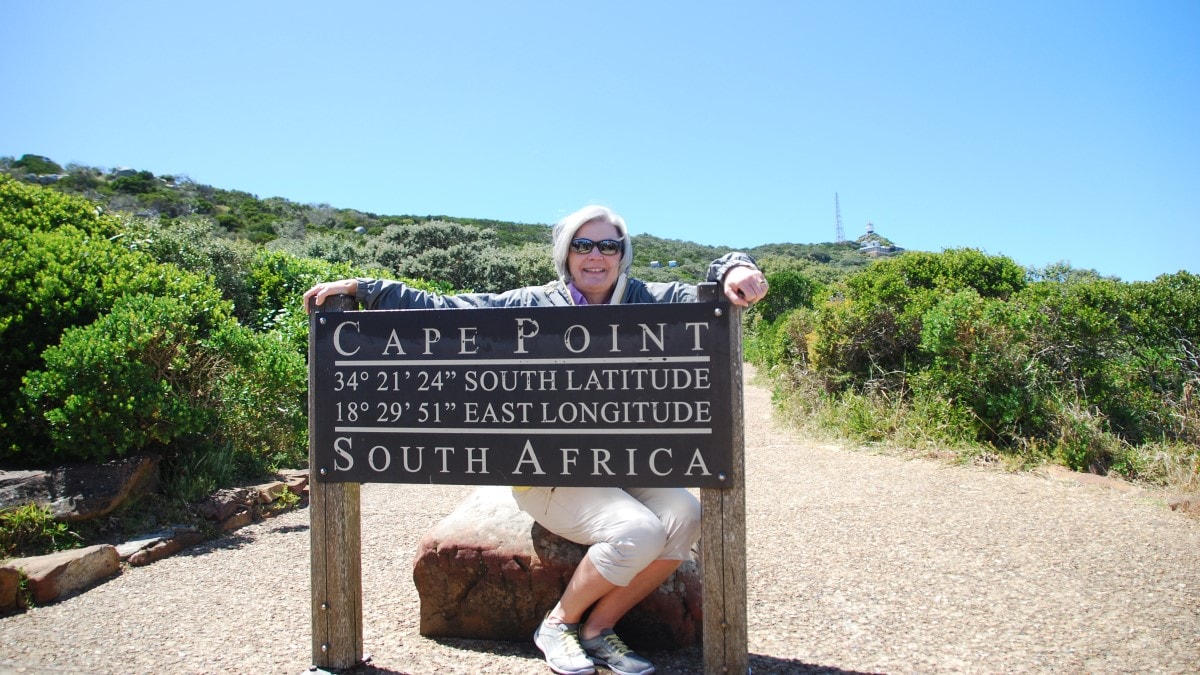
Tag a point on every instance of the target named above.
point(488, 571)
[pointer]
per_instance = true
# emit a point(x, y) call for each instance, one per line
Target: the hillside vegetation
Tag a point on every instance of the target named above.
point(152, 313)
point(384, 242)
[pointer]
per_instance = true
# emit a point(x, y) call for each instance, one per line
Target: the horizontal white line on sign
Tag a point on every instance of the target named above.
point(525, 362)
point(527, 432)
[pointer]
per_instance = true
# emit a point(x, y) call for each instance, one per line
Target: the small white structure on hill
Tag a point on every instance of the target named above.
point(873, 244)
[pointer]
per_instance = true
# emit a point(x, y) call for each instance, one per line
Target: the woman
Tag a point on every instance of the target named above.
point(637, 537)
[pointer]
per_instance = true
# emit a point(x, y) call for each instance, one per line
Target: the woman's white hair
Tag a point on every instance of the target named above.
point(565, 229)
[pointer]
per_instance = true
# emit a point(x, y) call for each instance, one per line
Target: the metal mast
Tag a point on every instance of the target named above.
point(837, 207)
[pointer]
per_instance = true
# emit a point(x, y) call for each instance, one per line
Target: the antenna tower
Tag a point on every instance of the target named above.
point(837, 208)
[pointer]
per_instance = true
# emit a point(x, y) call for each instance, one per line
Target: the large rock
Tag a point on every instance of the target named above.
point(10, 581)
point(165, 547)
point(225, 503)
point(80, 491)
point(488, 571)
point(58, 575)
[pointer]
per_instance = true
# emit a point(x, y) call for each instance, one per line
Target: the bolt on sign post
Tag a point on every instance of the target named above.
point(615, 395)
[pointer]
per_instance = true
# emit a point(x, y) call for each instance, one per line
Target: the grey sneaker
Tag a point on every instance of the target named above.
point(608, 649)
point(560, 643)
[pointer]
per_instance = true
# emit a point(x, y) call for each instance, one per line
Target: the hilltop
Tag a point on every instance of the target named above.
point(346, 234)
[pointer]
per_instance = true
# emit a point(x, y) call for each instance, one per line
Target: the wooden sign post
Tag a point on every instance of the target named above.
point(723, 532)
point(636, 395)
point(335, 546)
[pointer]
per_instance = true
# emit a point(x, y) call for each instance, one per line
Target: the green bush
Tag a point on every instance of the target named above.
point(332, 247)
point(157, 374)
point(31, 530)
point(979, 359)
point(1081, 438)
point(107, 351)
point(260, 417)
point(1073, 366)
point(38, 209)
point(279, 281)
point(136, 379)
point(778, 327)
point(871, 329)
point(245, 214)
point(782, 342)
point(502, 269)
point(1125, 351)
point(81, 178)
point(199, 246)
point(261, 398)
point(58, 273)
point(789, 290)
point(138, 183)
point(37, 164)
point(460, 256)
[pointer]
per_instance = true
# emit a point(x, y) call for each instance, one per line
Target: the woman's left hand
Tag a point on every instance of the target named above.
point(745, 285)
point(318, 293)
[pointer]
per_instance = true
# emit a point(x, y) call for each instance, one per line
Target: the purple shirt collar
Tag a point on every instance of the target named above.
point(576, 296)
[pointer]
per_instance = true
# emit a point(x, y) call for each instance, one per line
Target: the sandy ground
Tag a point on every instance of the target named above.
point(856, 563)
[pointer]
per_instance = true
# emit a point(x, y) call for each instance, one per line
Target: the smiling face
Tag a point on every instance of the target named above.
point(594, 273)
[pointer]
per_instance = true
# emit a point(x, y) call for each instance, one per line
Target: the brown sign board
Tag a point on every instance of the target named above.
point(613, 395)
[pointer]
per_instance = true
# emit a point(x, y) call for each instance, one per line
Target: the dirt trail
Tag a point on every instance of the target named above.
point(857, 563)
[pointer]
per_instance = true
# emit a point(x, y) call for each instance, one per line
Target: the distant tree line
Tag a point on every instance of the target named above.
point(372, 240)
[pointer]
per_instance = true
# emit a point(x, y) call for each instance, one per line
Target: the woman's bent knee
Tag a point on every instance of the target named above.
point(622, 557)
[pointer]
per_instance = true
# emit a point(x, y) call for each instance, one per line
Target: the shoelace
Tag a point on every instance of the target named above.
point(569, 638)
point(614, 642)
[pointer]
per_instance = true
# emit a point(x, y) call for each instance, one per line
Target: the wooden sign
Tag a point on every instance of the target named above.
point(614, 395)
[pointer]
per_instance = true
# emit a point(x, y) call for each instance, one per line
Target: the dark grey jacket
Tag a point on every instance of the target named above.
point(385, 294)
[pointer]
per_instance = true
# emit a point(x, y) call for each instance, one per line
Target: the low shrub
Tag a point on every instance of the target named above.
point(158, 374)
point(31, 530)
point(955, 348)
point(136, 379)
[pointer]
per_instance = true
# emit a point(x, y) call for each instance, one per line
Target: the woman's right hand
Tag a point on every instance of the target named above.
point(324, 290)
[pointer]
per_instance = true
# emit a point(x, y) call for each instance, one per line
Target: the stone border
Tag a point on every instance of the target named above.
point(46, 579)
point(1187, 504)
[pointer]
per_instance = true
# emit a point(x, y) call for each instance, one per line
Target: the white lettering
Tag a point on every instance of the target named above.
point(527, 455)
point(387, 459)
point(569, 455)
point(394, 341)
point(600, 458)
point(464, 339)
point(697, 460)
point(420, 458)
point(445, 452)
point(342, 447)
point(337, 338)
point(522, 334)
point(654, 462)
point(432, 335)
point(647, 334)
point(474, 459)
point(696, 326)
point(587, 338)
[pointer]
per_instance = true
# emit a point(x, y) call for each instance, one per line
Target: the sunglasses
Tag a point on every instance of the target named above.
point(607, 246)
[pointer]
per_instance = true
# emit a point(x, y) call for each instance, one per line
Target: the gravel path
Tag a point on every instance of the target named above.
point(857, 563)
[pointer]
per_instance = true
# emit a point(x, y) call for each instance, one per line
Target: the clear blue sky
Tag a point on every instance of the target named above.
point(1041, 130)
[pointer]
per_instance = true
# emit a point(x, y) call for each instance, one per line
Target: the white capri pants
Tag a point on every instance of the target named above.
point(625, 529)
